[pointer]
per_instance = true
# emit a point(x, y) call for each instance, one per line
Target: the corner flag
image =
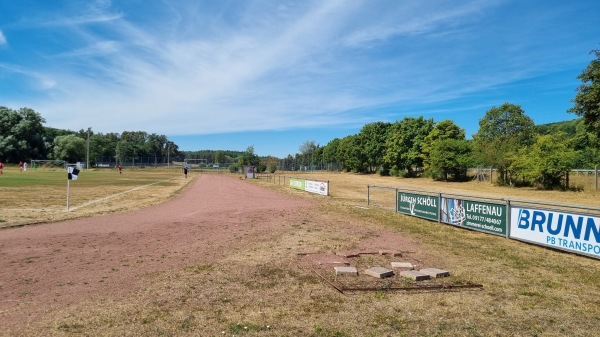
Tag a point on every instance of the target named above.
point(73, 172)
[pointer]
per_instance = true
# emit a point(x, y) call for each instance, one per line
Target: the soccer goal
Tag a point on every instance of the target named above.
point(50, 165)
point(194, 163)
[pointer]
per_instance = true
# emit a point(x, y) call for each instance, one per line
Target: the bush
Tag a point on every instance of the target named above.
point(233, 168)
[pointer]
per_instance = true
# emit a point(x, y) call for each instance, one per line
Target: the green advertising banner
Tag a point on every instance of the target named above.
point(297, 183)
point(424, 206)
point(480, 216)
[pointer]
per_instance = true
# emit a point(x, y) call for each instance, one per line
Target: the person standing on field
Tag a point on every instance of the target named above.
point(185, 171)
point(25, 167)
point(1, 167)
point(120, 169)
point(20, 166)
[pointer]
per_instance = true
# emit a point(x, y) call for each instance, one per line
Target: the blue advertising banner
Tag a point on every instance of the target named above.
point(577, 233)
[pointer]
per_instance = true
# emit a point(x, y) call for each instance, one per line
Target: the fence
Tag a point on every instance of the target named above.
point(579, 179)
point(559, 226)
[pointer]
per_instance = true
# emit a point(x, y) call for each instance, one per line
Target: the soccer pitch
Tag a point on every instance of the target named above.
point(41, 195)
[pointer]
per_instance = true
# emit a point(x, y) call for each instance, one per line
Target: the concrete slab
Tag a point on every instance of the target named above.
point(379, 272)
point(435, 273)
point(415, 275)
point(403, 265)
point(346, 271)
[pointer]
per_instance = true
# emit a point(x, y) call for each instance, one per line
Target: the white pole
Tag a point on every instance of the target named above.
point(68, 192)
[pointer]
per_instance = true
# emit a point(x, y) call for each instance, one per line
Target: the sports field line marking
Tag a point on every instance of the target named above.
point(117, 194)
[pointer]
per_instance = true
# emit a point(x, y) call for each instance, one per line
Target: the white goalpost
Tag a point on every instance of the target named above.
point(194, 163)
point(38, 164)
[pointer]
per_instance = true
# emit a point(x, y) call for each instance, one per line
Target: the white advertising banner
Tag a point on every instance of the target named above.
point(573, 232)
point(319, 187)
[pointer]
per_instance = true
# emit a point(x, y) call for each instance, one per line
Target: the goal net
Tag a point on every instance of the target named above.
point(37, 164)
point(195, 163)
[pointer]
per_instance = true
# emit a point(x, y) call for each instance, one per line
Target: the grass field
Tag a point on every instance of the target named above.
point(528, 290)
point(41, 195)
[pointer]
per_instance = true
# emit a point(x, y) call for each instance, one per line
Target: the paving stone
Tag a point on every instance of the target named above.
point(346, 271)
point(379, 272)
point(415, 275)
point(435, 273)
point(403, 265)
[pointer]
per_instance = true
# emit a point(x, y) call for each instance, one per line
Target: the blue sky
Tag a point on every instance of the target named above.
point(273, 74)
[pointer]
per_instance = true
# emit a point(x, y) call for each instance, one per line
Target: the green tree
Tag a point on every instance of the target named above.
point(249, 158)
point(219, 157)
point(441, 131)
point(307, 150)
point(502, 132)
point(405, 142)
point(331, 152)
point(547, 161)
point(21, 135)
point(103, 147)
point(156, 146)
point(373, 139)
point(351, 155)
point(450, 158)
point(70, 148)
point(587, 100)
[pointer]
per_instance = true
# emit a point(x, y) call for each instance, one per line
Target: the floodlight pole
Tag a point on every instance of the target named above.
point(87, 166)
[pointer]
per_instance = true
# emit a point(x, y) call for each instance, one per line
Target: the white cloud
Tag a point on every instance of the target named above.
point(259, 66)
point(2, 38)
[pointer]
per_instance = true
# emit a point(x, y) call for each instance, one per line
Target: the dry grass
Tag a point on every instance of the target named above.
point(261, 289)
point(41, 196)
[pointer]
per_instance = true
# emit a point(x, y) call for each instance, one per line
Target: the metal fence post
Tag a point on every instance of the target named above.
point(396, 198)
point(508, 219)
point(439, 218)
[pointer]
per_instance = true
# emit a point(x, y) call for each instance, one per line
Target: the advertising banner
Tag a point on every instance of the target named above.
point(480, 216)
point(319, 187)
point(572, 232)
point(297, 183)
point(424, 206)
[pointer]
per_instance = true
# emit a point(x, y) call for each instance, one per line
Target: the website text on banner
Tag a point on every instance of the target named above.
point(476, 215)
point(578, 233)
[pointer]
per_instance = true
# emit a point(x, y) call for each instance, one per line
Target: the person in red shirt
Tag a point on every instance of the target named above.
point(120, 169)
point(21, 166)
point(1, 168)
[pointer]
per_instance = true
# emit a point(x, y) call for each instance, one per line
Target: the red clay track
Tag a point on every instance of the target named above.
point(53, 265)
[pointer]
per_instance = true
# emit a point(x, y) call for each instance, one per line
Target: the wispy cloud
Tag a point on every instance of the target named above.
point(208, 67)
point(2, 38)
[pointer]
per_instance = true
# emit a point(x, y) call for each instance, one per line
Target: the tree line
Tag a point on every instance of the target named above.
point(507, 140)
point(24, 137)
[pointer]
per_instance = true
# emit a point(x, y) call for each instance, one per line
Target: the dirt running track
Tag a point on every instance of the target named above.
point(47, 267)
